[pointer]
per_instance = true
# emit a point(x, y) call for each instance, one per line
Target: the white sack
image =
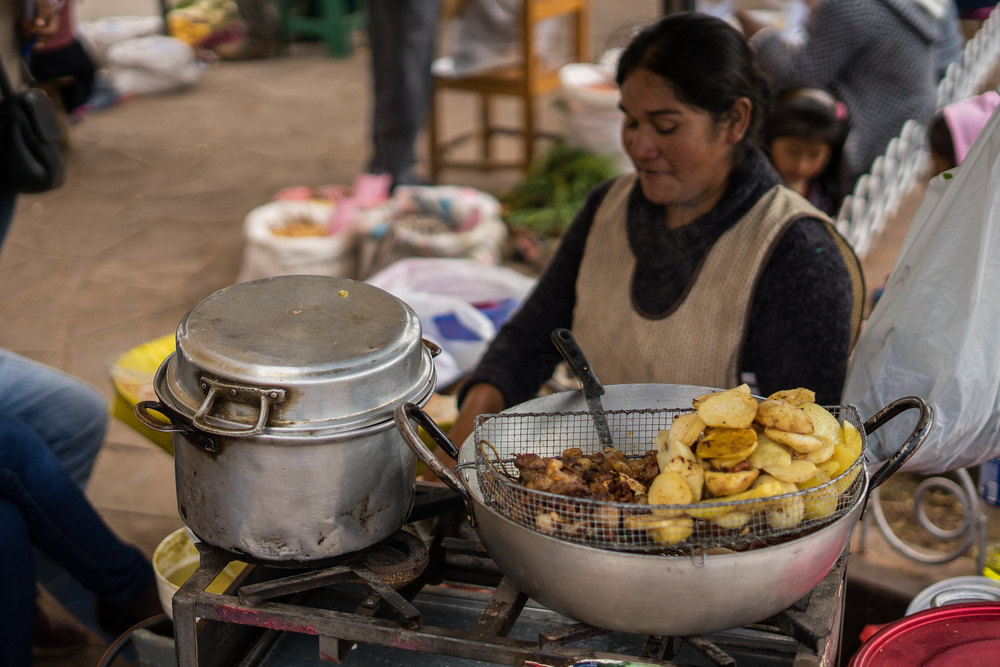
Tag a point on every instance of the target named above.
point(152, 64)
point(933, 333)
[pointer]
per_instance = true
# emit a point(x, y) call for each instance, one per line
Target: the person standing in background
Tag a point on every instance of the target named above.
point(63, 62)
point(874, 55)
point(403, 37)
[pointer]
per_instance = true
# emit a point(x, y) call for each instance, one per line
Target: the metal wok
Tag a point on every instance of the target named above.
point(654, 594)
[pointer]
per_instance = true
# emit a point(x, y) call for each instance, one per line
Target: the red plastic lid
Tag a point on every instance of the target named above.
point(958, 635)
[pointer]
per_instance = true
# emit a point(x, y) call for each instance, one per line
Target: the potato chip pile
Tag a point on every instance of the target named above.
point(733, 447)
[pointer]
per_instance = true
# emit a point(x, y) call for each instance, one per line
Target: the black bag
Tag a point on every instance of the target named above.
point(31, 151)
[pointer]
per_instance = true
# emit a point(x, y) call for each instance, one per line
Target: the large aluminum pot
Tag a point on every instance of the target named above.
point(655, 594)
point(280, 398)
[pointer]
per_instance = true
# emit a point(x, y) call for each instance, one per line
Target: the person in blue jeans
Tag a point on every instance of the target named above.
point(41, 506)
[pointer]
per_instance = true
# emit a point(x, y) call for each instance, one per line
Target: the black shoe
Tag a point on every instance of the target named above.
point(52, 636)
point(117, 619)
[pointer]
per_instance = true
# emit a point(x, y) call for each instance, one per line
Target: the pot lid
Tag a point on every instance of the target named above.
point(954, 635)
point(312, 352)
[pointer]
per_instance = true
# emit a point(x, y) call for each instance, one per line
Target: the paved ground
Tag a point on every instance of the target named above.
point(149, 223)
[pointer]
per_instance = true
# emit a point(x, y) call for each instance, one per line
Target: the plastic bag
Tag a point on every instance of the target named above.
point(487, 35)
point(461, 305)
point(152, 64)
point(932, 334)
point(475, 229)
point(593, 119)
point(266, 254)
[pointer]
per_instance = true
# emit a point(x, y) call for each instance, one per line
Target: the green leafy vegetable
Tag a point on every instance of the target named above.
point(555, 187)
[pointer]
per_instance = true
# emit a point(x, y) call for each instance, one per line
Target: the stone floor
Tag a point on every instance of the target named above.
point(149, 223)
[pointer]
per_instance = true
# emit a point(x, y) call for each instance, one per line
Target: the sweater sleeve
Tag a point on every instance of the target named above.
point(800, 323)
point(833, 36)
point(522, 357)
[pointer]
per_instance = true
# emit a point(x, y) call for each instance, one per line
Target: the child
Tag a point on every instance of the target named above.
point(954, 128)
point(804, 136)
point(64, 61)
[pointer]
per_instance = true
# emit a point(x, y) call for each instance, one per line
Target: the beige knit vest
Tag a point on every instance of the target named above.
point(700, 341)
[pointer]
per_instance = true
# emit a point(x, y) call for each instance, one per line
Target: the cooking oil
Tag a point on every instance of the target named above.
point(992, 569)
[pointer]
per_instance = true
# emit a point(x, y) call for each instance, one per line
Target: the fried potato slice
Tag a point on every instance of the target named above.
point(783, 416)
point(727, 463)
point(798, 441)
point(786, 513)
point(679, 458)
point(720, 442)
point(795, 472)
point(669, 488)
point(852, 439)
point(732, 520)
point(728, 483)
point(825, 425)
point(732, 408)
point(672, 530)
point(769, 453)
point(820, 503)
point(687, 427)
point(820, 455)
point(797, 396)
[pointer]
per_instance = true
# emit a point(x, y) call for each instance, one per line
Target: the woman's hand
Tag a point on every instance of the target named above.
point(481, 399)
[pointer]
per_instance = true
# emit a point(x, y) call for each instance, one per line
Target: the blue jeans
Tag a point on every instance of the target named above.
point(71, 418)
point(40, 506)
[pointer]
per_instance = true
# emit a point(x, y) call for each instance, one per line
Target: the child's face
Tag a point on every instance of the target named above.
point(798, 159)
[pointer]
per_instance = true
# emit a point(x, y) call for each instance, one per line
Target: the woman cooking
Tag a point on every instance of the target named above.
point(698, 267)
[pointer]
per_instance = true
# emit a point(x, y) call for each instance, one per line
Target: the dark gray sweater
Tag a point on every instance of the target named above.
point(800, 325)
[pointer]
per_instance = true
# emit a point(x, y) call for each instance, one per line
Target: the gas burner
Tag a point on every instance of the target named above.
point(386, 605)
point(400, 558)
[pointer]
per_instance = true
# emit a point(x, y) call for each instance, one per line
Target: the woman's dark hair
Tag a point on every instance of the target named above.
point(706, 62)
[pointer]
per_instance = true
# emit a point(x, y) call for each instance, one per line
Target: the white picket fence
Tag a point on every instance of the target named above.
point(876, 196)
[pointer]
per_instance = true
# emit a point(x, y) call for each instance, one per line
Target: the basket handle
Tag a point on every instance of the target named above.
point(403, 414)
point(923, 426)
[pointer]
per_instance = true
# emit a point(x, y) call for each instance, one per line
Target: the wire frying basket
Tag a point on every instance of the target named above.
point(636, 526)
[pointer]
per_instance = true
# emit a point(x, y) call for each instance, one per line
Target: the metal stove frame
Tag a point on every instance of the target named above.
point(239, 627)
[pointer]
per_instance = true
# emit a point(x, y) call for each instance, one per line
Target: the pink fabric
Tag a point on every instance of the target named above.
point(966, 119)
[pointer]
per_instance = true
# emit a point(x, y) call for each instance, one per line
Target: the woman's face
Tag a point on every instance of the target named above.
point(682, 155)
point(798, 160)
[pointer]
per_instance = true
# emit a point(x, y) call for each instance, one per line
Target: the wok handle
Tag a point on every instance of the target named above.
point(403, 414)
point(566, 343)
point(923, 426)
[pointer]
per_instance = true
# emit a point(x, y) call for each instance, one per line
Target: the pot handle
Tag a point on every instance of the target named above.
point(923, 426)
point(406, 411)
point(264, 396)
point(432, 347)
point(142, 409)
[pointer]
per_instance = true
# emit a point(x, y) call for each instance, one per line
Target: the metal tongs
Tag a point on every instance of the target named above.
point(592, 388)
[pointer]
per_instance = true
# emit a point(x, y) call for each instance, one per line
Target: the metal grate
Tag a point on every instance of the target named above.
point(637, 526)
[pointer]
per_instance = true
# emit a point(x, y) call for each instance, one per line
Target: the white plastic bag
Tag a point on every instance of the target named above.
point(933, 333)
point(593, 119)
point(461, 304)
point(266, 254)
point(476, 230)
point(152, 64)
point(103, 33)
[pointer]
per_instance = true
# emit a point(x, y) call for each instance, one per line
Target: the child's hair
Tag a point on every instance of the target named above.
point(939, 139)
point(812, 113)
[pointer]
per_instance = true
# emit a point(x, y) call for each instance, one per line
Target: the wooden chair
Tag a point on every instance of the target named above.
point(527, 81)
